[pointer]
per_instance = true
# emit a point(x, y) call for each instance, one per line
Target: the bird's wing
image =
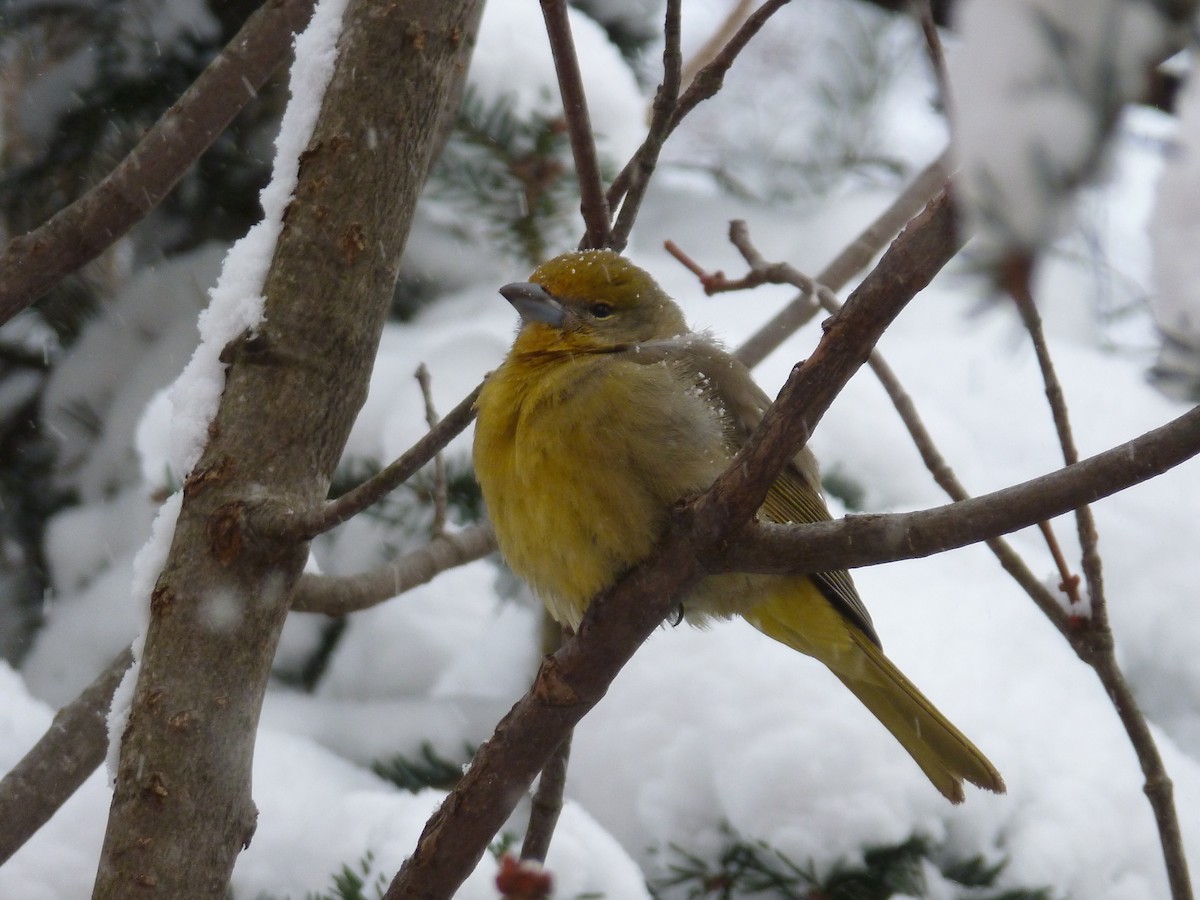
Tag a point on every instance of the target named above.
point(795, 497)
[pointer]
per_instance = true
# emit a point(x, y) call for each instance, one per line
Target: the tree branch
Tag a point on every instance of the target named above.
point(1093, 641)
point(853, 259)
point(55, 767)
point(593, 204)
point(877, 538)
point(339, 596)
point(635, 178)
point(33, 263)
point(355, 500)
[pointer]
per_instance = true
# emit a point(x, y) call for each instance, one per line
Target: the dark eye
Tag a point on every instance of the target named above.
point(600, 310)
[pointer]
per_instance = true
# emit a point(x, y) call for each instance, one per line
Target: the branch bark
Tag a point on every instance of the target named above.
point(341, 595)
point(871, 539)
point(181, 808)
point(593, 204)
point(55, 767)
point(33, 263)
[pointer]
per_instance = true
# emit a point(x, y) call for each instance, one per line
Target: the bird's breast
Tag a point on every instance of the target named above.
point(580, 461)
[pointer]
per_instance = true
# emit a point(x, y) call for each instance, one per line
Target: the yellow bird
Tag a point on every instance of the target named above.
point(606, 412)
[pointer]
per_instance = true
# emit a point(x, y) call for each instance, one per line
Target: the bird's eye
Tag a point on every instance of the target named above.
point(600, 310)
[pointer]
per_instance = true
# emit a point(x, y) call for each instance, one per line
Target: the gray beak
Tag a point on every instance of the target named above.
point(533, 303)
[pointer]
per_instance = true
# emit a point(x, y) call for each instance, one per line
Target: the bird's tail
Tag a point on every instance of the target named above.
point(941, 750)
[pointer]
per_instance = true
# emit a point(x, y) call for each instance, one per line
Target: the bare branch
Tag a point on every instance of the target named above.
point(1093, 642)
point(635, 178)
point(717, 40)
point(923, 10)
point(55, 767)
point(33, 263)
point(355, 500)
point(440, 499)
point(593, 204)
point(855, 257)
point(816, 293)
point(547, 803)
point(338, 596)
point(870, 539)
point(670, 110)
point(711, 77)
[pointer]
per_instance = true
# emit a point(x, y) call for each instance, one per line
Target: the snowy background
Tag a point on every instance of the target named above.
point(708, 734)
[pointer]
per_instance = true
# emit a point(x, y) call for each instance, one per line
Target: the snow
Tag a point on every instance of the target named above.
point(1173, 231)
point(1035, 85)
point(708, 731)
point(236, 303)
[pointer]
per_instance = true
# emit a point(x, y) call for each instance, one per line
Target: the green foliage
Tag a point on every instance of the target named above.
point(752, 868)
point(505, 843)
point(352, 883)
point(428, 771)
point(509, 174)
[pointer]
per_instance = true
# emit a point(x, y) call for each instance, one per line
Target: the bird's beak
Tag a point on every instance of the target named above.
point(533, 303)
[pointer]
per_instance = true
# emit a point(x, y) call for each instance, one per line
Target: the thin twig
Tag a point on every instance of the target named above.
point(547, 803)
point(33, 263)
point(923, 10)
point(341, 595)
point(633, 181)
point(853, 259)
point(355, 500)
point(724, 33)
point(440, 491)
point(1094, 643)
point(711, 77)
point(1068, 581)
point(593, 204)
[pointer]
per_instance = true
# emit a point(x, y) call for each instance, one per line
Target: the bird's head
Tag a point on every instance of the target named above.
point(591, 299)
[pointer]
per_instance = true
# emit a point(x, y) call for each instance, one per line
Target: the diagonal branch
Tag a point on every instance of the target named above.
point(355, 500)
point(634, 178)
point(60, 762)
point(1093, 641)
point(593, 204)
point(33, 263)
point(341, 595)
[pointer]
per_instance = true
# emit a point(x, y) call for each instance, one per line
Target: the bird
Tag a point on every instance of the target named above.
point(607, 412)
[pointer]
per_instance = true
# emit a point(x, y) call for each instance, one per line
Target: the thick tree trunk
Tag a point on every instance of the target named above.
point(182, 809)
